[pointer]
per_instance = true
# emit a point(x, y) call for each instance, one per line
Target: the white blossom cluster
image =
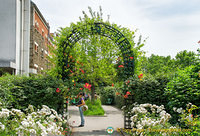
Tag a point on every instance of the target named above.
point(148, 115)
point(42, 122)
point(179, 110)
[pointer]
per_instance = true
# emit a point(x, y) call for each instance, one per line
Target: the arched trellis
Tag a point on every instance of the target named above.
point(104, 30)
point(79, 32)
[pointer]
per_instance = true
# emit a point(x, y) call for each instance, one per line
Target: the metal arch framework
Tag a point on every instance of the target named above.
point(107, 31)
point(116, 36)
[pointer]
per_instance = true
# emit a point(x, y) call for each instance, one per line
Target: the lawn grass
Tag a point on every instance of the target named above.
point(94, 108)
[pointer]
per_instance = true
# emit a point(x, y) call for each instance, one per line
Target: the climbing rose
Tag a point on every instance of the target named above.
point(125, 96)
point(128, 93)
point(120, 66)
point(57, 90)
point(140, 76)
point(83, 71)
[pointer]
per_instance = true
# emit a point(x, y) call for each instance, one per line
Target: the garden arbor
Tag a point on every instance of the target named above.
point(80, 31)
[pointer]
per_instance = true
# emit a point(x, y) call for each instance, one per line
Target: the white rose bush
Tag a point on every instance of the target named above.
point(44, 121)
point(150, 119)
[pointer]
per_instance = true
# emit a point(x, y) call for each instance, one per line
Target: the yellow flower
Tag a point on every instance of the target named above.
point(72, 80)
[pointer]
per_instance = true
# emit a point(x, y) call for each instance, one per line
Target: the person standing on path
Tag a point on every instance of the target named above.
point(81, 102)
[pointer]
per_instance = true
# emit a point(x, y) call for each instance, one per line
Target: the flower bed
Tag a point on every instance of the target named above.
point(42, 122)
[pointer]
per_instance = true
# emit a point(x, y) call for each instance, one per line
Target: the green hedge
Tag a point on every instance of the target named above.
point(184, 88)
point(20, 91)
point(148, 89)
point(107, 95)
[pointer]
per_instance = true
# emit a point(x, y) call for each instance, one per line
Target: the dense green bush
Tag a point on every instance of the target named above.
point(107, 95)
point(148, 89)
point(184, 88)
point(119, 101)
point(20, 91)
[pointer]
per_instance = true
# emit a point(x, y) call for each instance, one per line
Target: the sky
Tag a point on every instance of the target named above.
point(170, 26)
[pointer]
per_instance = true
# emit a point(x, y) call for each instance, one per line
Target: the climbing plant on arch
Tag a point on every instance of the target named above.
point(93, 28)
point(69, 36)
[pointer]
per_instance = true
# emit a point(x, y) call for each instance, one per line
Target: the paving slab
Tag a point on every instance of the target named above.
point(96, 125)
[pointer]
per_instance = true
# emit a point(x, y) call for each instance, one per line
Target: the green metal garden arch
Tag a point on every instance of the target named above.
point(112, 33)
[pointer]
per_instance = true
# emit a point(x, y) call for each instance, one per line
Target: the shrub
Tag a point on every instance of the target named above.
point(107, 95)
point(20, 91)
point(148, 89)
point(43, 121)
point(182, 89)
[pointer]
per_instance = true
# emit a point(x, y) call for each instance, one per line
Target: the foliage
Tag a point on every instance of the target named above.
point(107, 95)
point(92, 57)
point(183, 88)
point(185, 58)
point(119, 101)
point(147, 89)
point(157, 65)
point(94, 108)
point(20, 91)
point(43, 121)
point(189, 118)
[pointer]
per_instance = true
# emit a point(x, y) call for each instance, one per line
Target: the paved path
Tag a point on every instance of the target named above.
point(96, 126)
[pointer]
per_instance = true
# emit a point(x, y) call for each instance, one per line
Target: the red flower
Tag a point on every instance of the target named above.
point(83, 71)
point(125, 96)
point(120, 66)
point(127, 82)
point(131, 57)
point(81, 89)
point(128, 93)
point(112, 85)
point(67, 65)
point(74, 84)
point(140, 76)
point(67, 102)
point(88, 86)
point(57, 90)
point(71, 71)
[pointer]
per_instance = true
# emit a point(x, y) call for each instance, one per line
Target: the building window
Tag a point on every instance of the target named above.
point(43, 32)
point(37, 25)
point(42, 53)
point(35, 66)
point(36, 46)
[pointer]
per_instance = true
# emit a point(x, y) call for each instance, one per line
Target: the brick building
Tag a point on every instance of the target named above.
point(24, 38)
point(40, 39)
